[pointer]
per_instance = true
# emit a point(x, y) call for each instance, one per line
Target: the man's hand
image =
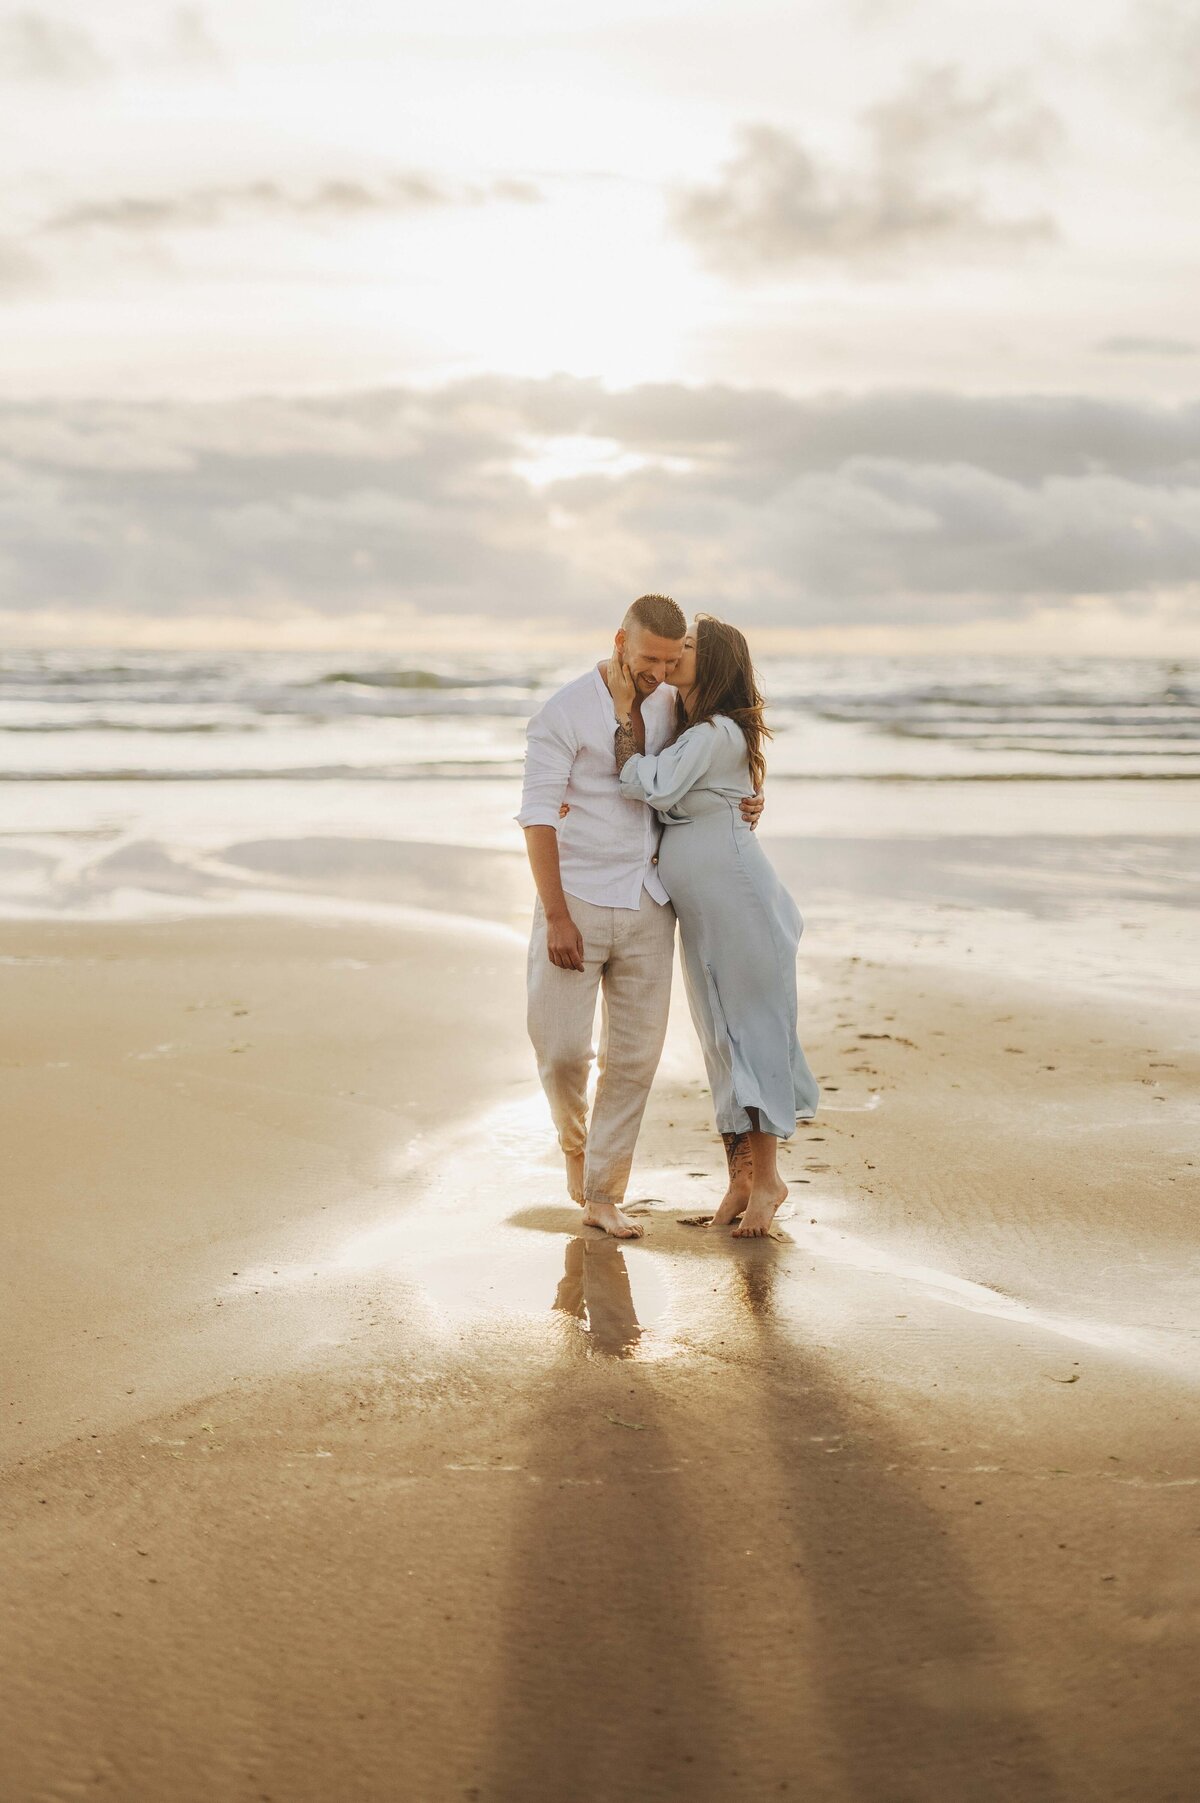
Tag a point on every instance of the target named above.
point(752, 807)
point(564, 942)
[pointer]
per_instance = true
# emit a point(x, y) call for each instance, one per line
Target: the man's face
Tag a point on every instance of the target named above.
point(649, 659)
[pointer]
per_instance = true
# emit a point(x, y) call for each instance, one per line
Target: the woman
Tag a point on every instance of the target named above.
point(739, 928)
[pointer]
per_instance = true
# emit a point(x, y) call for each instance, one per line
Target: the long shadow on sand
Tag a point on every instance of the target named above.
point(706, 1602)
point(913, 1674)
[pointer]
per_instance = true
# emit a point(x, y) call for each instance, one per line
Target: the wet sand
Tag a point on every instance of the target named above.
point(338, 1464)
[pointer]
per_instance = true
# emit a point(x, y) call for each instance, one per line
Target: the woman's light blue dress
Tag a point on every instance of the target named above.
point(739, 928)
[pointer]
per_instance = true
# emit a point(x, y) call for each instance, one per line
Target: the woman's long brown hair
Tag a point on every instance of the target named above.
point(726, 684)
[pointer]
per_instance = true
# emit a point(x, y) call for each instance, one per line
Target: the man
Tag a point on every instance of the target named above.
point(603, 920)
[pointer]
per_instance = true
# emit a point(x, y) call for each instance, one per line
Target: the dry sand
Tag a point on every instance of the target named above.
point(338, 1467)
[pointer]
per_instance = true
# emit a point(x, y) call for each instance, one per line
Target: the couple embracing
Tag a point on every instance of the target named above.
point(642, 790)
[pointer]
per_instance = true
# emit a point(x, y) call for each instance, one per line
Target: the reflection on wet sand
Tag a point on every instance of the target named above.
point(755, 1274)
point(595, 1289)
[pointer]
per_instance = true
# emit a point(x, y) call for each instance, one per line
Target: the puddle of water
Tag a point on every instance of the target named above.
point(873, 1100)
point(483, 1230)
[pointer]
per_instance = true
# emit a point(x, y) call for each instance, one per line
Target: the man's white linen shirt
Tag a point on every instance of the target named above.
point(607, 844)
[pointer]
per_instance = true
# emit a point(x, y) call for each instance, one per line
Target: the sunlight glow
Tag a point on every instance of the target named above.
point(555, 459)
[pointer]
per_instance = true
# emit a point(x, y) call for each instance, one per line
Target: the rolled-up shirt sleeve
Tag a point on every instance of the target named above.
point(550, 750)
point(666, 779)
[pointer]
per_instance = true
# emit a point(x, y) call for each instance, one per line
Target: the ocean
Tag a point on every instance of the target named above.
point(904, 795)
point(155, 716)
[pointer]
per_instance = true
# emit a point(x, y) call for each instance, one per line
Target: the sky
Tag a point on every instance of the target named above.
point(870, 325)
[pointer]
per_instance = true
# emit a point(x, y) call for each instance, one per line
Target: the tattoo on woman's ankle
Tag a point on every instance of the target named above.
point(737, 1155)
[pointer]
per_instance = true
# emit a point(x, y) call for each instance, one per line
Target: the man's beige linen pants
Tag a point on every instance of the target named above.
point(628, 955)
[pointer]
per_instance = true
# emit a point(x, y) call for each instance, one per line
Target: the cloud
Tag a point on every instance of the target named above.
point(19, 273)
point(778, 207)
point(333, 200)
point(1165, 38)
point(935, 121)
point(35, 46)
point(826, 511)
point(877, 12)
point(759, 436)
point(1132, 346)
point(190, 41)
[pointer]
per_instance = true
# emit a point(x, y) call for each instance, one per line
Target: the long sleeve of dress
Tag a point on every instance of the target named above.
point(665, 779)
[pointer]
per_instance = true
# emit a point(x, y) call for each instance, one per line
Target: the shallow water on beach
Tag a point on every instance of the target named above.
point(1034, 815)
point(1089, 885)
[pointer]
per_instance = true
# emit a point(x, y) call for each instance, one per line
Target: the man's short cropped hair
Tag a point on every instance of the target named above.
point(657, 614)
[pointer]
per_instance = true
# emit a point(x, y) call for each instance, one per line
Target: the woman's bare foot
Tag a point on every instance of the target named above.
point(741, 1179)
point(575, 1177)
point(760, 1212)
point(733, 1205)
point(609, 1216)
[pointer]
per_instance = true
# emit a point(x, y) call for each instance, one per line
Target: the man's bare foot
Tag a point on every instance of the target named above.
point(575, 1176)
point(733, 1205)
point(760, 1212)
point(609, 1216)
